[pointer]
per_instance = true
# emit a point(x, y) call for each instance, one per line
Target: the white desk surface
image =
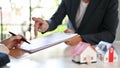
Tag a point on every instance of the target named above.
point(56, 57)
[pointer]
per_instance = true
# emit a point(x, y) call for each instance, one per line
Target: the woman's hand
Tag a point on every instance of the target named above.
point(72, 41)
point(40, 25)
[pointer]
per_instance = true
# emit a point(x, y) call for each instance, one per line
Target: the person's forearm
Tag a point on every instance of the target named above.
point(96, 38)
point(4, 49)
point(5, 43)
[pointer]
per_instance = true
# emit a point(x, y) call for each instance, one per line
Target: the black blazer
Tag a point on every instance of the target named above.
point(99, 22)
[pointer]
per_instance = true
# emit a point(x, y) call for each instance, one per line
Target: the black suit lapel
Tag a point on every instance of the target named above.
point(90, 9)
point(74, 7)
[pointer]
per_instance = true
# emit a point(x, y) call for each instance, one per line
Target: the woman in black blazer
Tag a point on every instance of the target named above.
point(99, 22)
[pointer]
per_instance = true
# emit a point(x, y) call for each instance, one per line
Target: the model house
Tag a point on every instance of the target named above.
point(106, 52)
point(84, 53)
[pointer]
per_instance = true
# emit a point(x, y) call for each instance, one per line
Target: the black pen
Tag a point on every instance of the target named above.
point(21, 39)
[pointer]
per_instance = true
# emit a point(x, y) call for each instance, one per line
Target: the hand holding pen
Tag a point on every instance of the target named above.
point(23, 39)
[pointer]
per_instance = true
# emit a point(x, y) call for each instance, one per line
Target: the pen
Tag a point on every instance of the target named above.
point(21, 39)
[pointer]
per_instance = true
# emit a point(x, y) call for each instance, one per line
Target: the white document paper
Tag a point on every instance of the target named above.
point(46, 41)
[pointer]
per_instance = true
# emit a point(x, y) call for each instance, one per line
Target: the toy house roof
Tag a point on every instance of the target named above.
point(79, 48)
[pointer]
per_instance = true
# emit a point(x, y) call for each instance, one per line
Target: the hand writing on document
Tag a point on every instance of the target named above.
point(72, 41)
point(13, 41)
point(40, 25)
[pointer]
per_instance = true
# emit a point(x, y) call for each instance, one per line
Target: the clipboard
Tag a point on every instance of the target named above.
point(46, 41)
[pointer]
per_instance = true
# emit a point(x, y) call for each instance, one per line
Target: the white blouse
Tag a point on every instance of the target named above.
point(79, 16)
point(80, 13)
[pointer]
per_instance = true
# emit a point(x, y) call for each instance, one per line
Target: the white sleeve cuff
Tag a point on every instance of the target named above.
point(4, 49)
